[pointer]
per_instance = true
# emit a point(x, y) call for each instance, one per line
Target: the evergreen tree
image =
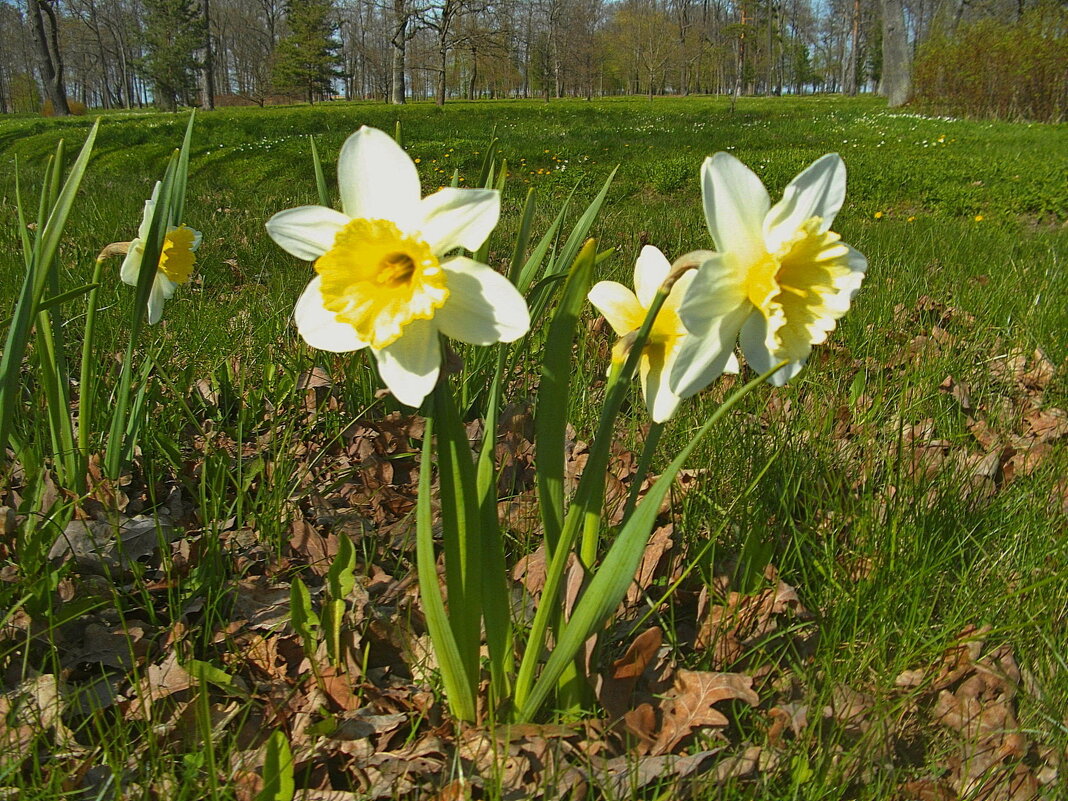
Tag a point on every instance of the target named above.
point(173, 34)
point(306, 59)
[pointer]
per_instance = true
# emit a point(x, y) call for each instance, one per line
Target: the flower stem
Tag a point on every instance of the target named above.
point(86, 381)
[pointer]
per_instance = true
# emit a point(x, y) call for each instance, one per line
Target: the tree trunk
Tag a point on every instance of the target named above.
point(443, 57)
point(398, 42)
point(207, 66)
point(46, 43)
point(896, 83)
point(850, 78)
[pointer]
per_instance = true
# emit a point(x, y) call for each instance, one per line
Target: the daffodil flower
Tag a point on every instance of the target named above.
point(176, 260)
point(780, 280)
point(626, 310)
point(383, 279)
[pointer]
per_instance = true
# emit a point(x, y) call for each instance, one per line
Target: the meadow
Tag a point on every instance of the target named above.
point(880, 547)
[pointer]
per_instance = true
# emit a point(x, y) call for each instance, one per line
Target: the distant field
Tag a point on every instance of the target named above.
point(910, 484)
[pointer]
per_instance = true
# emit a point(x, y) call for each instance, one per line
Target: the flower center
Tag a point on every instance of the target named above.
point(798, 289)
point(177, 259)
point(378, 279)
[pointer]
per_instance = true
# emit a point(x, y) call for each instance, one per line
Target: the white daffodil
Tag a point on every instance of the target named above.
point(383, 280)
point(625, 311)
point(780, 280)
point(175, 261)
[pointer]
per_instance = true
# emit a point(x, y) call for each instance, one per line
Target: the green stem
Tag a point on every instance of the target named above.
point(585, 509)
point(652, 440)
point(86, 379)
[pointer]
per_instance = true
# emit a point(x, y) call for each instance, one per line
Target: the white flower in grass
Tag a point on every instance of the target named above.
point(625, 311)
point(175, 261)
point(384, 281)
point(780, 280)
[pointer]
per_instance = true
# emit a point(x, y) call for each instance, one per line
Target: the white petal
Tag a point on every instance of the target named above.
point(732, 366)
point(306, 232)
point(410, 366)
point(735, 204)
point(618, 305)
point(483, 306)
point(704, 358)
point(755, 346)
point(131, 265)
point(156, 297)
point(462, 218)
point(818, 191)
point(320, 327)
point(377, 180)
point(713, 293)
point(146, 216)
point(650, 270)
point(659, 398)
point(197, 238)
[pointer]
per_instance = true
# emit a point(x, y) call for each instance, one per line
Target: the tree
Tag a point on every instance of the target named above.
point(307, 57)
point(49, 59)
point(896, 84)
point(173, 33)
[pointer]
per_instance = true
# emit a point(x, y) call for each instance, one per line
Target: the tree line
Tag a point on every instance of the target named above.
point(55, 54)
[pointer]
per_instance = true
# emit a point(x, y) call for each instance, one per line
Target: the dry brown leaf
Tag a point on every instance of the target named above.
point(615, 688)
point(159, 681)
point(660, 542)
point(692, 704)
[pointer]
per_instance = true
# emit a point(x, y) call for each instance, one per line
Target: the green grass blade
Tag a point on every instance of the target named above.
point(458, 690)
point(614, 575)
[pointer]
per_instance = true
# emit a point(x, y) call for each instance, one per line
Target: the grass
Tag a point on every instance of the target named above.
point(895, 545)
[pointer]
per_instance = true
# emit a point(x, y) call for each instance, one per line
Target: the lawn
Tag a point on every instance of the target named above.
point(878, 550)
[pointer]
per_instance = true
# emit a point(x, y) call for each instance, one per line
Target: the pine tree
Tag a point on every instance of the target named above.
point(306, 59)
point(173, 34)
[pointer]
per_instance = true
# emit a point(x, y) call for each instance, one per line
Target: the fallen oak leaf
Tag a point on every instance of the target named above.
point(691, 706)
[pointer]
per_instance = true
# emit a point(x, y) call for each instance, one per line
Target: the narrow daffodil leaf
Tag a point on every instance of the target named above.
point(616, 572)
point(458, 690)
point(38, 260)
point(522, 239)
point(496, 600)
point(582, 227)
point(320, 178)
point(461, 523)
point(69, 295)
point(181, 178)
point(550, 414)
point(489, 161)
point(533, 264)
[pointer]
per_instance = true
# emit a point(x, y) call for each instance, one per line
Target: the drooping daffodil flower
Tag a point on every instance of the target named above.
point(176, 260)
point(625, 311)
point(384, 278)
point(780, 279)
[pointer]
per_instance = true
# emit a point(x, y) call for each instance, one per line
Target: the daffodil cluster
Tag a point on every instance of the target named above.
point(776, 285)
point(387, 277)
